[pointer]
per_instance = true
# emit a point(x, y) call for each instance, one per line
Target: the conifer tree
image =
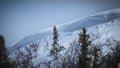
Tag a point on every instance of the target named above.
point(4, 60)
point(56, 48)
point(83, 42)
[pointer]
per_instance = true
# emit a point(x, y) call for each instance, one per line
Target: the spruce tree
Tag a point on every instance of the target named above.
point(56, 47)
point(83, 42)
point(4, 60)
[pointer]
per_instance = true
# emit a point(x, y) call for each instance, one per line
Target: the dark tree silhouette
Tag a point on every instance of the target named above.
point(83, 41)
point(55, 50)
point(56, 47)
point(4, 60)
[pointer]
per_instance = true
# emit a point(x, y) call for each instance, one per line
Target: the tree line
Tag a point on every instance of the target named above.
point(81, 54)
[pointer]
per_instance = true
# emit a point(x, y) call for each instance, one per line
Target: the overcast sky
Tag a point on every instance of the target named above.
point(19, 19)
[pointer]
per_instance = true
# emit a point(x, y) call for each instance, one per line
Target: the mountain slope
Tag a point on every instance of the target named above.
point(101, 27)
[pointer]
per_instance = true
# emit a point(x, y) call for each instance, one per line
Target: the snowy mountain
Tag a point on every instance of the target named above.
point(101, 27)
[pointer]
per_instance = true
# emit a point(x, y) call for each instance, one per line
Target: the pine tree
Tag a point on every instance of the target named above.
point(55, 35)
point(83, 41)
point(55, 47)
point(4, 60)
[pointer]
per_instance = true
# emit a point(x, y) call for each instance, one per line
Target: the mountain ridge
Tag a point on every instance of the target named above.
point(70, 30)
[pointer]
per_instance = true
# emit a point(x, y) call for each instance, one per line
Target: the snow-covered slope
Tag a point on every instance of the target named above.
point(101, 27)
